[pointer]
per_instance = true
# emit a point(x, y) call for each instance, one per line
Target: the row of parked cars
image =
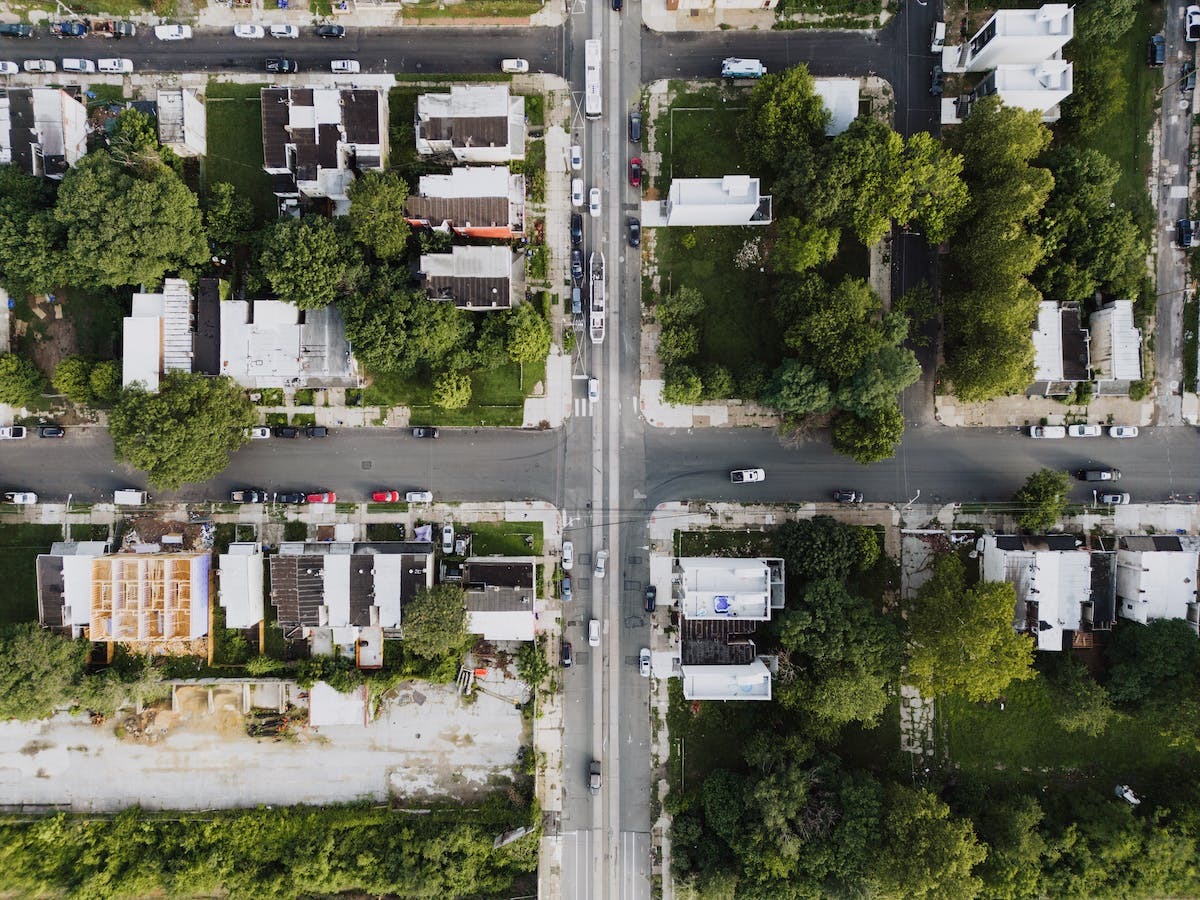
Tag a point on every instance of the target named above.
point(1062, 431)
point(18, 432)
point(260, 495)
point(106, 66)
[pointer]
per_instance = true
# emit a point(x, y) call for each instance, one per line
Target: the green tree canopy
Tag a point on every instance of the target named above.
point(961, 640)
point(435, 622)
point(682, 385)
point(39, 671)
point(832, 327)
point(528, 335)
point(939, 194)
point(1148, 659)
point(1080, 704)
point(309, 262)
point(1042, 500)
point(797, 389)
point(105, 381)
point(784, 118)
point(377, 214)
point(801, 245)
point(926, 852)
point(185, 432)
point(21, 382)
point(437, 332)
point(452, 390)
point(819, 548)
point(72, 377)
point(870, 438)
point(228, 216)
point(31, 241)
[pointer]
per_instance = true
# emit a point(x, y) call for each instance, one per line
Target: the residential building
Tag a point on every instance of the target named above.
point(345, 597)
point(473, 202)
point(182, 122)
point(269, 343)
point(1014, 37)
point(1038, 87)
point(43, 130)
point(722, 603)
point(501, 597)
point(157, 335)
point(240, 584)
point(474, 123)
point(1156, 578)
point(316, 139)
point(1060, 350)
point(729, 200)
point(1061, 586)
point(1116, 352)
point(150, 600)
point(475, 278)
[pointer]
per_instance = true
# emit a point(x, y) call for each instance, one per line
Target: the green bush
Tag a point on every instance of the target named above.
point(72, 377)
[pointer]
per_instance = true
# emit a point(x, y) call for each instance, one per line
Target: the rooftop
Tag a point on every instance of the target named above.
point(714, 588)
point(501, 597)
point(840, 96)
point(158, 335)
point(751, 681)
point(240, 580)
point(269, 343)
point(1156, 581)
point(1116, 342)
point(43, 130)
point(473, 277)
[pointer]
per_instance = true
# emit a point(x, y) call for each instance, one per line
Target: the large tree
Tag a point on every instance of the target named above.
point(72, 376)
point(435, 622)
point(870, 438)
point(1147, 660)
point(21, 381)
point(821, 548)
point(183, 433)
point(309, 262)
point(1042, 499)
point(784, 119)
point(528, 335)
point(926, 852)
point(376, 215)
point(30, 237)
point(961, 640)
point(39, 671)
point(228, 216)
point(376, 315)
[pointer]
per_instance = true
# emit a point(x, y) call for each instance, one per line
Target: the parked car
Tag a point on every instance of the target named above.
point(1098, 474)
point(635, 172)
point(314, 431)
point(1156, 52)
point(419, 497)
point(601, 564)
point(846, 495)
point(577, 192)
point(577, 266)
point(635, 126)
point(12, 433)
point(344, 67)
point(634, 227)
point(331, 31)
point(1192, 21)
point(285, 31)
point(283, 66)
point(576, 229)
point(936, 81)
point(644, 662)
point(576, 302)
point(173, 32)
point(576, 157)
point(81, 66)
point(250, 32)
point(424, 432)
point(111, 66)
point(286, 431)
point(568, 656)
point(568, 555)
point(1084, 431)
point(594, 777)
point(385, 496)
point(1123, 431)
point(1184, 231)
point(566, 589)
point(249, 495)
point(448, 537)
point(593, 389)
point(746, 476)
point(1188, 79)
point(1115, 499)
point(1047, 432)
point(258, 433)
point(45, 66)
point(52, 431)
point(514, 66)
point(9, 68)
point(651, 598)
point(594, 203)
point(291, 497)
point(617, 4)
point(594, 633)
point(70, 29)
point(21, 498)
point(322, 497)
point(16, 30)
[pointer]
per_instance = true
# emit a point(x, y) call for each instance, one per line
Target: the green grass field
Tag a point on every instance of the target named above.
point(235, 144)
point(505, 538)
point(497, 396)
point(19, 548)
point(698, 136)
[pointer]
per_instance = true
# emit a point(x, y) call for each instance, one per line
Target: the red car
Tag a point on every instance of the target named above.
point(323, 497)
point(386, 496)
point(635, 171)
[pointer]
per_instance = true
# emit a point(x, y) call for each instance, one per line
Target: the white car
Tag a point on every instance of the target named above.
point(577, 192)
point(83, 66)
point(746, 476)
point(568, 556)
point(1123, 431)
point(1193, 23)
point(514, 66)
point(601, 564)
point(344, 67)
point(12, 433)
point(448, 538)
point(419, 496)
point(21, 498)
point(285, 31)
point(1084, 431)
point(250, 32)
point(644, 662)
point(258, 433)
point(594, 203)
point(40, 65)
point(173, 32)
point(593, 389)
point(576, 157)
point(1047, 432)
point(112, 66)
point(9, 68)
point(594, 633)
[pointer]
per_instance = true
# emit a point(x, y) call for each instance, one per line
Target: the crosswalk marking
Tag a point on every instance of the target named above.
point(583, 407)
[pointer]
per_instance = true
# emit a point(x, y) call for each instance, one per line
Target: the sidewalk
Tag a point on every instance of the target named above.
point(1022, 410)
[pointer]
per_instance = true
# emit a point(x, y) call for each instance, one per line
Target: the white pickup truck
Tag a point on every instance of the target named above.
point(745, 476)
point(21, 498)
point(12, 433)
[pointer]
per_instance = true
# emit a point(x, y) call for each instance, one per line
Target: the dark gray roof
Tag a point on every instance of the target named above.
point(1074, 345)
point(473, 131)
point(478, 211)
point(360, 115)
point(1035, 542)
point(50, 591)
point(716, 642)
point(470, 292)
point(274, 127)
point(1151, 542)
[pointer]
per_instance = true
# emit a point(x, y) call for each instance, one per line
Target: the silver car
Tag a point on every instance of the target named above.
point(601, 564)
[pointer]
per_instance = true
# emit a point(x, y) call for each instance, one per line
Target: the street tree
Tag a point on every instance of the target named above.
point(797, 390)
point(72, 378)
point(528, 335)
point(1042, 500)
point(452, 390)
point(834, 328)
point(872, 437)
point(939, 195)
point(880, 379)
point(435, 622)
point(718, 382)
point(376, 216)
point(39, 671)
point(21, 381)
point(678, 343)
point(925, 852)
point(185, 432)
point(308, 262)
point(961, 640)
point(228, 216)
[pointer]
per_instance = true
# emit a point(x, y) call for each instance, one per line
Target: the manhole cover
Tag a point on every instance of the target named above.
point(366, 464)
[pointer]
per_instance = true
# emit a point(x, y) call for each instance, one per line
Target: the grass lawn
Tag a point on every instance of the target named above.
point(725, 542)
point(711, 738)
point(497, 396)
point(698, 136)
point(235, 144)
point(505, 538)
point(19, 546)
point(472, 9)
point(89, 532)
point(97, 321)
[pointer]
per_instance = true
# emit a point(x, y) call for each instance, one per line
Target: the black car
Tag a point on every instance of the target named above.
point(635, 126)
point(16, 30)
point(331, 31)
point(291, 497)
point(1188, 79)
point(616, 5)
point(51, 431)
point(249, 495)
point(577, 265)
point(1184, 232)
point(651, 598)
point(69, 29)
point(568, 658)
point(286, 431)
point(283, 66)
point(635, 232)
point(846, 495)
point(576, 229)
point(316, 431)
point(425, 432)
point(1156, 52)
point(935, 85)
point(1098, 474)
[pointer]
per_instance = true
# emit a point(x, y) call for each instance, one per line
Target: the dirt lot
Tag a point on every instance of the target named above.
point(426, 743)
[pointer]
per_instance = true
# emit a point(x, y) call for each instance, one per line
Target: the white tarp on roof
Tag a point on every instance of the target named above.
point(241, 585)
point(840, 96)
point(1047, 343)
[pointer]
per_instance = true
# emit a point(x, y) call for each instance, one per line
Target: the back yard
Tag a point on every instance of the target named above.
point(235, 151)
point(20, 545)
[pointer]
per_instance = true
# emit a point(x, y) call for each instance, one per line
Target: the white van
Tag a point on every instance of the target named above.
point(594, 633)
point(130, 498)
point(1047, 431)
point(937, 40)
point(742, 68)
point(115, 66)
point(83, 66)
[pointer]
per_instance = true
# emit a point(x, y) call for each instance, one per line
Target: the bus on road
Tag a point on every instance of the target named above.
point(591, 96)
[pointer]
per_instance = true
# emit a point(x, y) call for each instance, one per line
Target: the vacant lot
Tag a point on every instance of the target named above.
point(497, 396)
point(506, 538)
point(235, 144)
point(19, 548)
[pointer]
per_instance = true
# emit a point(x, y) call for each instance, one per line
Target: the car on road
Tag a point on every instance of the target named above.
point(448, 537)
point(576, 157)
point(424, 432)
point(593, 389)
point(576, 302)
point(16, 30)
point(594, 777)
point(286, 431)
point(12, 433)
point(1098, 474)
point(635, 126)
point(936, 81)
point(650, 599)
point(566, 589)
point(1156, 52)
point(577, 266)
point(568, 555)
point(1192, 23)
point(1187, 81)
point(634, 227)
point(250, 32)
point(285, 31)
point(514, 66)
point(1185, 229)
point(577, 192)
point(249, 495)
point(258, 433)
point(568, 656)
point(291, 497)
point(68, 29)
point(617, 4)
point(173, 32)
point(9, 68)
point(315, 431)
point(283, 66)
point(344, 67)
point(635, 172)
point(594, 633)
point(846, 495)
point(52, 431)
point(601, 566)
point(82, 66)
point(331, 31)
point(21, 498)
point(1047, 432)
point(594, 203)
point(576, 229)
point(644, 662)
point(1118, 498)
point(322, 497)
point(1084, 431)
point(45, 66)
point(746, 476)
point(385, 497)
point(1123, 431)
point(419, 497)
point(111, 66)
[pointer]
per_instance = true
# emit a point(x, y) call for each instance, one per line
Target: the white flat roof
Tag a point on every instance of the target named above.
point(1047, 343)
point(725, 589)
point(502, 625)
point(1037, 87)
point(276, 349)
point(840, 96)
point(1156, 584)
point(240, 591)
point(1058, 581)
point(465, 101)
point(1114, 338)
point(1049, 19)
point(469, 262)
point(748, 682)
point(467, 181)
point(140, 359)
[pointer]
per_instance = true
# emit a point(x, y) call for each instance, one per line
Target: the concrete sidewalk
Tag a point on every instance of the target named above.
point(1022, 410)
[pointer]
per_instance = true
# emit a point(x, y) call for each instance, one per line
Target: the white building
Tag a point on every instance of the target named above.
point(1014, 36)
point(840, 96)
point(1156, 578)
point(182, 123)
point(157, 336)
point(43, 130)
point(1116, 351)
point(240, 585)
point(270, 343)
point(1060, 349)
point(729, 200)
point(476, 123)
point(472, 201)
point(1037, 87)
point(477, 278)
point(501, 597)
